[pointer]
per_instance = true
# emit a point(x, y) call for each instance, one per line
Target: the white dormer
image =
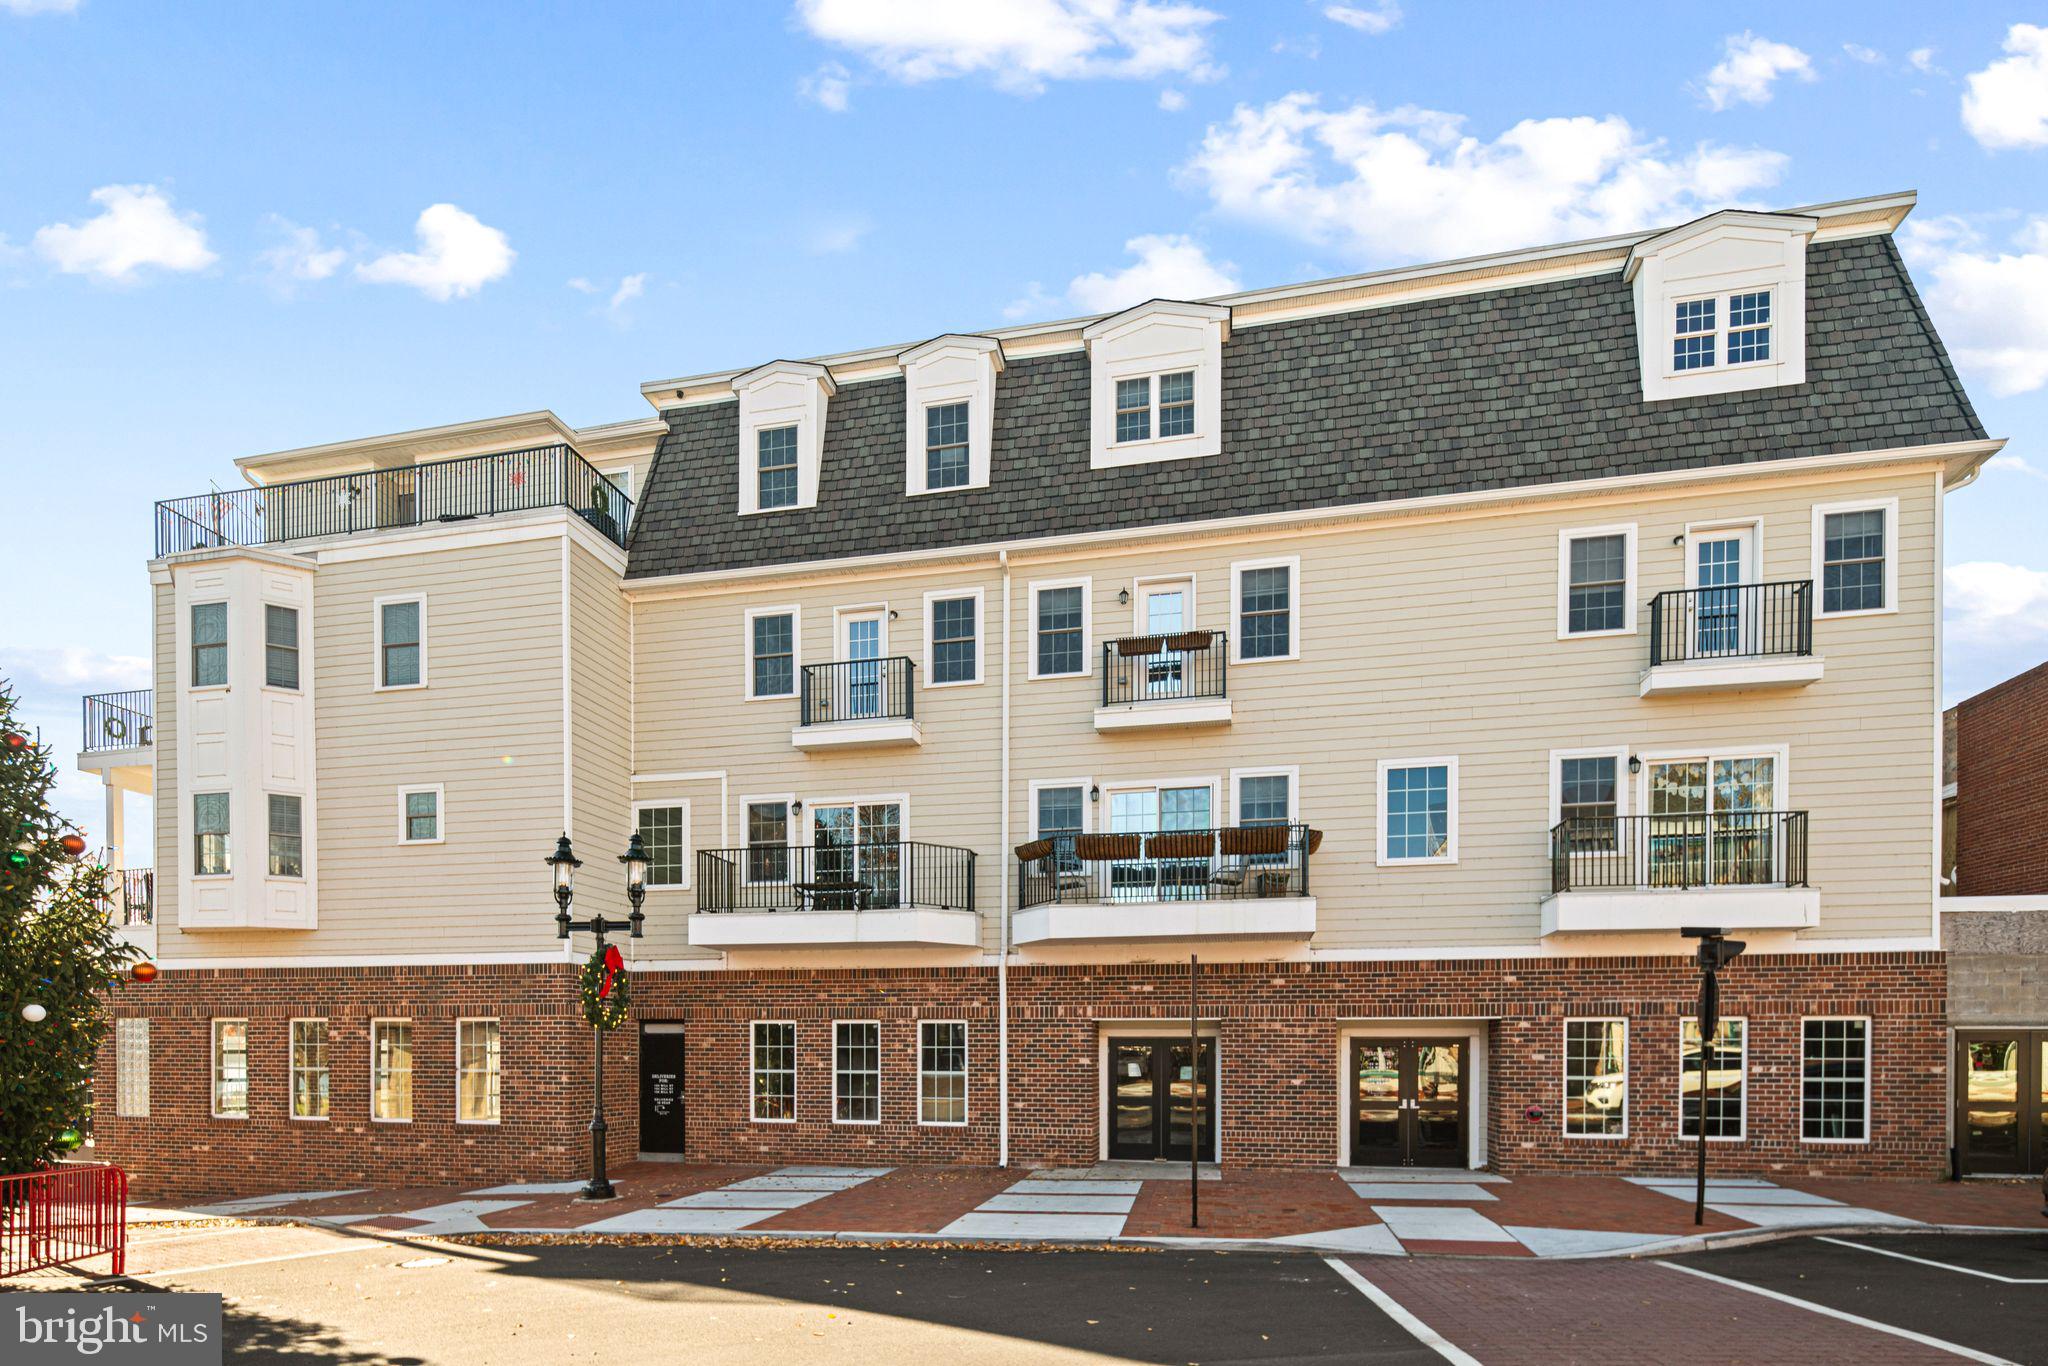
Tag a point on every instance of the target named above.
point(1156, 383)
point(782, 432)
point(949, 409)
point(1721, 304)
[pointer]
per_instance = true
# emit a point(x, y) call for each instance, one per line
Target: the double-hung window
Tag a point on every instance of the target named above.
point(478, 1071)
point(419, 815)
point(767, 841)
point(309, 1069)
point(945, 446)
point(1059, 820)
point(1725, 329)
point(280, 646)
point(1596, 574)
point(1265, 610)
point(942, 1072)
point(955, 639)
point(287, 840)
point(775, 449)
point(209, 644)
point(771, 649)
point(1834, 1082)
point(1059, 630)
point(230, 1069)
point(1589, 801)
point(210, 833)
point(664, 830)
point(1418, 811)
point(1853, 557)
point(1596, 1078)
point(401, 643)
point(856, 1072)
point(391, 1070)
point(774, 1068)
point(1264, 799)
point(1712, 1081)
point(1137, 416)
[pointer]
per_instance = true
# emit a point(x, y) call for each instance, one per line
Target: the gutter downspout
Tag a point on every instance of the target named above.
point(1003, 907)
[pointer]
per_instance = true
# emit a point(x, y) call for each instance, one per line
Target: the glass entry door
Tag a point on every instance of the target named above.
point(857, 845)
point(860, 644)
point(1166, 610)
point(1150, 810)
point(1721, 562)
point(1409, 1103)
point(2002, 1101)
point(1155, 1087)
point(1710, 822)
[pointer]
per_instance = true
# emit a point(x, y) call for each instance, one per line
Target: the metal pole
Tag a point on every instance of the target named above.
point(1709, 1026)
point(1195, 1097)
point(600, 1188)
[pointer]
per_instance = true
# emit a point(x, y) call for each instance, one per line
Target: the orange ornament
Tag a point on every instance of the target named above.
point(144, 972)
point(73, 845)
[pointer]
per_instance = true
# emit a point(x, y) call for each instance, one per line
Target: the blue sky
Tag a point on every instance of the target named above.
point(239, 227)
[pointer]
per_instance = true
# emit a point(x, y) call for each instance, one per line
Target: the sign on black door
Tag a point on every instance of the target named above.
point(661, 1089)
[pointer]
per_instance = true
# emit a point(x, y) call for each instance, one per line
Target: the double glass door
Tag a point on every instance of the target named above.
point(2002, 1100)
point(857, 844)
point(1710, 821)
point(1157, 1088)
point(1152, 810)
point(1409, 1103)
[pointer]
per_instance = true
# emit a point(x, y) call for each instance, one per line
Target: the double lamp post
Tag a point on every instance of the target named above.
point(564, 863)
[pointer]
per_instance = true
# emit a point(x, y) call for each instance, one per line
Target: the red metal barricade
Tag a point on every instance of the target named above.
point(65, 1214)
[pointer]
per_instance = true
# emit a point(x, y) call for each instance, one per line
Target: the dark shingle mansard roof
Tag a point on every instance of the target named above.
point(1526, 385)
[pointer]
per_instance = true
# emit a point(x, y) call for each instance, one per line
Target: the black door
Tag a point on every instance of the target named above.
point(661, 1090)
point(2002, 1101)
point(1154, 1092)
point(1408, 1103)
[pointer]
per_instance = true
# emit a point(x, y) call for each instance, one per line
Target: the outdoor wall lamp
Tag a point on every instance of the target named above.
point(796, 808)
point(1094, 793)
point(1123, 596)
point(1635, 763)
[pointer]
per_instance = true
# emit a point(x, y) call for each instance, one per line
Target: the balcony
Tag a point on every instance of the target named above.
point(857, 703)
point(119, 721)
point(439, 491)
point(900, 893)
point(130, 906)
point(1735, 869)
point(1750, 635)
point(1155, 681)
point(1242, 882)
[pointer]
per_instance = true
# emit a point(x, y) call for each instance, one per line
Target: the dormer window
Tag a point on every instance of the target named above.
point(945, 446)
point(1693, 344)
point(1700, 336)
point(1157, 383)
point(782, 432)
point(1721, 305)
point(1175, 413)
point(777, 447)
point(949, 400)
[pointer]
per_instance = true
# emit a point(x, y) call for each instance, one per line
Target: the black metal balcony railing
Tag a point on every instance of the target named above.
point(119, 720)
point(1165, 668)
point(136, 904)
point(883, 876)
point(1721, 849)
point(378, 500)
point(1236, 862)
point(858, 690)
point(1740, 621)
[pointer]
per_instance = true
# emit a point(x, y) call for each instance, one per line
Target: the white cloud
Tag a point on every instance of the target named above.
point(39, 6)
point(1994, 602)
point(1020, 44)
point(1749, 66)
point(136, 227)
point(2006, 104)
point(300, 257)
point(1921, 59)
point(1869, 56)
point(1990, 304)
point(1378, 18)
point(1410, 183)
point(628, 289)
point(1172, 101)
point(827, 87)
point(72, 669)
point(1169, 266)
point(2017, 464)
point(458, 256)
point(832, 236)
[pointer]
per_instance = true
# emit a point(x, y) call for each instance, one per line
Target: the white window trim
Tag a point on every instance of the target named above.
point(754, 1069)
point(291, 1070)
point(1450, 854)
point(840, 615)
point(1144, 581)
point(269, 876)
point(460, 1021)
point(938, 595)
point(1087, 586)
point(1291, 772)
point(1869, 1084)
point(213, 1066)
point(1291, 563)
point(1037, 785)
point(189, 656)
point(299, 650)
point(1212, 781)
point(1781, 769)
point(663, 804)
point(984, 356)
point(1159, 337)
point(1623, 779)
point(192, 850)
point(1720, 330)
point(1742, 1132)
point(1821, 511)
point(857, 1123)
point(621, 479)
point(966, 1072)
point(1564, 580)
point(789, 824)
point(440, 792)
point(795, 614)
point(375, 1022)
point(1563, 1077)
point(782, 394)
point(1699, 531)
point(377, 606)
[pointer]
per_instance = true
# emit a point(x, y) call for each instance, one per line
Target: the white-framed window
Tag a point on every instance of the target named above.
point(774, 1072)
point(774, 651)
point(1156, 383)
point(1596, 581)
point(1596, 1078)
point(1834, 1079)
point(1419, 810)
point(280, 647)
point(942, 1072)
point(949, 386)
point(1720, 304)
point(287, 835)
point(1856, 558)
point(479, 1071)
point(210, 846)
point(768, 837)
point(391, 1071)
point(1713, 1081)
point(952, 638)
point(945, 446)
point(664, 828)
point(1724, 330)
point(1265, 600)
point(209, 645)
point(1265, 796)
point(230, 1069)
point(1589, 785)
point(309, 1074)
point(781, 433)
point(856, 1072)
point(1155, 407)
point(621, 479)
point(131, 1067)
point(401, 645)
point(1062, 628)
point(775, 471)
point(421, 819)
point(1060, 812)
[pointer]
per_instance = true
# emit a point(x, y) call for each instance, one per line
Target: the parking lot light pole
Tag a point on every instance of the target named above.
point(1715, 953)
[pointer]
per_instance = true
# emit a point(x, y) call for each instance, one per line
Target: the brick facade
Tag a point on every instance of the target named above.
point(2001, 753)
point(1279, 1046)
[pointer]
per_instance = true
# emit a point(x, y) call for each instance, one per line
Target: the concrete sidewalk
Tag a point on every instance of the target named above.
point(1392, 1212)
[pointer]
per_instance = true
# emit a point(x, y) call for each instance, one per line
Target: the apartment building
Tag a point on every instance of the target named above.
point(1291, 728)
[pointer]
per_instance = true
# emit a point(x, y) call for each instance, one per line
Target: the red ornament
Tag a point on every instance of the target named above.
point(144, 972)
point(613, 965)
point(73, 845)
point(13, 740)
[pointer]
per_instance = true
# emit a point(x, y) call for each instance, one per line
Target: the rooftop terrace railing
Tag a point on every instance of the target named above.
point(119, 720)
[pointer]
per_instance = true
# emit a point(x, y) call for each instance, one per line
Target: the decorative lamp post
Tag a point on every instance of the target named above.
point(603, 983)
point(1715, 953)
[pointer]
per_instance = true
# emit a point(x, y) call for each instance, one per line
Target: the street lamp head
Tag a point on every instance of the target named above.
point(635, 859)
point(565, 863)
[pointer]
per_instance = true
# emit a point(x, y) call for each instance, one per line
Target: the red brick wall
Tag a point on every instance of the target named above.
point(1278, 1047)
point(2002, 788)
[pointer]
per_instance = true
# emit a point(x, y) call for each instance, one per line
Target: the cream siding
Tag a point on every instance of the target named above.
point(600, 733)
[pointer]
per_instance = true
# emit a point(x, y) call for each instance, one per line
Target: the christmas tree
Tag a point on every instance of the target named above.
point(59, 959)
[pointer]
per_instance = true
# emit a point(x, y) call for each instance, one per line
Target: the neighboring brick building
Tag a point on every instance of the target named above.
point(2001, 788)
